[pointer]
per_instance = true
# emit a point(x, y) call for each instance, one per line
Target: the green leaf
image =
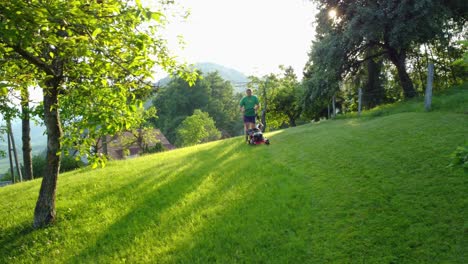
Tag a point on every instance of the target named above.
point(96, 32)
point(138, 2)
point(3, 91)
point(156, 16)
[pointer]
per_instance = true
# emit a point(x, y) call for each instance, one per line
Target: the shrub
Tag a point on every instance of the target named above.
point(156, 148)
point(39, 164)
point(6, 176)
point(460, 157)
point(67, 163)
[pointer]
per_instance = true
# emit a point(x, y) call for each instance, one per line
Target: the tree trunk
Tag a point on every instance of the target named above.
point(263, 118)
point(373, 92)
point(44, 213)
point(12, 170)
point(399, 60)
point(292, 121)
point(26, 136)
point(15, 154)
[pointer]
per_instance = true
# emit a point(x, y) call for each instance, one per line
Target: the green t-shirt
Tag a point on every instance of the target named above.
point(249, 102)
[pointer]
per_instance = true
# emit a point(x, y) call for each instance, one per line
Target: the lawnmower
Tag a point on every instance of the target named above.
point(255, 136)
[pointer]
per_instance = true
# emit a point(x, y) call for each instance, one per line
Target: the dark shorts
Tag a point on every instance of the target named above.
point(249, 119)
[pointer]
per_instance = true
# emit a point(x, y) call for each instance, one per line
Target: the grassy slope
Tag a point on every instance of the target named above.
point(372, 190)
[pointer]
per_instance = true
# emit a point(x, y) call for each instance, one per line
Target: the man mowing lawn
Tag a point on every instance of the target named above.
point(248, 106)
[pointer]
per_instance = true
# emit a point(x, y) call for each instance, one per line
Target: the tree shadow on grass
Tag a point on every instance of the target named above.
point(173, 195)
point(13, 238)
point(153, 190)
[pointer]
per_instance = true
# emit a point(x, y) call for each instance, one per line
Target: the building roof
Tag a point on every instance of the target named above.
point(115, 149)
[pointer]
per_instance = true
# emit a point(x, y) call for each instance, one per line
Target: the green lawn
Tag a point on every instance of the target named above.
point(372, 190)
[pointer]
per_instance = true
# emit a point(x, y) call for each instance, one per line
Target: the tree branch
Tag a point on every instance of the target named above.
point(353, 66)
point(119, 64)
point(33, 59)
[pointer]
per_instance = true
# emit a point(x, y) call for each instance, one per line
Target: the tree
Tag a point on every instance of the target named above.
point(197, 128)
point(91, 59)
point(222, 105)
point(280, 98)
point(392, 28)
point(9, 112)
point(18, 79)
point(176, 101)
point(26, 134)
point(287, 100)
point(144, 136)
point(266, 89)
point(212, 94)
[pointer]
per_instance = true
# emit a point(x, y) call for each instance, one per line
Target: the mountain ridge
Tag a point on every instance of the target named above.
point(237, 78)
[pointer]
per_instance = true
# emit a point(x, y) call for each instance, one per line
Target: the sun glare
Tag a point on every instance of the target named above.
point(332, 13)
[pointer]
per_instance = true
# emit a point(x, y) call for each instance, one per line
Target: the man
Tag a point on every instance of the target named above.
point(248, 106)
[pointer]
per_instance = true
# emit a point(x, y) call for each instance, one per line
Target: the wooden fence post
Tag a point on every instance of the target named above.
point(428, 95)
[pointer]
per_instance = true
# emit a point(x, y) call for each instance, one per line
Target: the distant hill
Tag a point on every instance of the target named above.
point(237, 78)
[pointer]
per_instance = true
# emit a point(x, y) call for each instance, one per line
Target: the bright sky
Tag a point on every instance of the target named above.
point(252, 36)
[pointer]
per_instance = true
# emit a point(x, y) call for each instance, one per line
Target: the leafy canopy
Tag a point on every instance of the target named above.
point(102, 54)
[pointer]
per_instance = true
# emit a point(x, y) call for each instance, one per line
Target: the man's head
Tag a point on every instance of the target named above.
point(248, 92)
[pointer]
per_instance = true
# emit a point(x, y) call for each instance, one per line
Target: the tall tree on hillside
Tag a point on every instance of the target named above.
point(91, 59)
point(393, 28)
point(222, 106)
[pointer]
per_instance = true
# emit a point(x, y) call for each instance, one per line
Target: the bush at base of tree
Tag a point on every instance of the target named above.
point(67, 163)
